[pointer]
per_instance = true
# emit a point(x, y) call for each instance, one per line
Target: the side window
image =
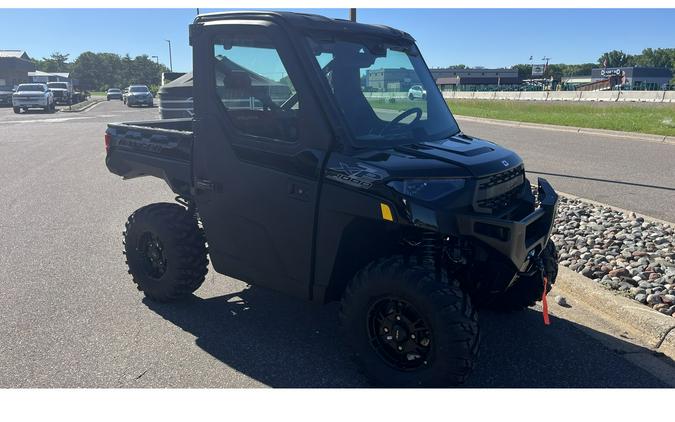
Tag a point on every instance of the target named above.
point(254, 87)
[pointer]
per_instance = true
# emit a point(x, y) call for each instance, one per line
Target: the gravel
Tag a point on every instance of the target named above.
point(621, 251)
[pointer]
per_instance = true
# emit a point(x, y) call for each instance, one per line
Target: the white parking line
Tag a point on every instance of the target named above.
point(55, 120)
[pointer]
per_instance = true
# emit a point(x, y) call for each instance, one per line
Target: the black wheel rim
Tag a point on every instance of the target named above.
point(399, 334)
point(152, 254)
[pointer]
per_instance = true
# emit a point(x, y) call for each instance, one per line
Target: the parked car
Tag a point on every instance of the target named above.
point(114, 94)
point(410, 223)
point(6, 95)
point(33, 96)
point(63, 92)
point(417, 91)
point(139, 95)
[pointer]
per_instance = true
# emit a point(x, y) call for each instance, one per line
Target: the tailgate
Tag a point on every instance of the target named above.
point(156, 148)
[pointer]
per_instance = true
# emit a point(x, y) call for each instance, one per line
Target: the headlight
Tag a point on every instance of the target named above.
point(427, 190)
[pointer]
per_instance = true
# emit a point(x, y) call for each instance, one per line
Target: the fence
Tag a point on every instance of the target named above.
point(609, 96)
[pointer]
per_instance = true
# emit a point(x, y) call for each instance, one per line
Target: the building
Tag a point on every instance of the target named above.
point(635, 77)
point(475, 79)
point(39, 76)
point(14, 67)
point(390, 80)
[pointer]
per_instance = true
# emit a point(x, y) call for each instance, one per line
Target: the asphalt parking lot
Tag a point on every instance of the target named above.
point(72, 318)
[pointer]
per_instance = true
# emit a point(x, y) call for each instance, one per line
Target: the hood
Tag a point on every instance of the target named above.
point(458, 156)
point(29, 93)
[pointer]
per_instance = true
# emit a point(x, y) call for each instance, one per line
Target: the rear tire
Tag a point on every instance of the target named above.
point(166, 251)
point(17, 110)
point(396, 291)
point(527, 291)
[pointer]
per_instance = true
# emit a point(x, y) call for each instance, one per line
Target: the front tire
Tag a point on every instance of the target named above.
point(17, 110)
point(527, 291)
point(409, 326)
point(166, 251)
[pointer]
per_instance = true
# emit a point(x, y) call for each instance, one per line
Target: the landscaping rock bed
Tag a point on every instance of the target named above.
point(621, 251)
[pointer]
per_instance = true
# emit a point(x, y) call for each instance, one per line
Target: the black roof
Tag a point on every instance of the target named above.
point(311, 22)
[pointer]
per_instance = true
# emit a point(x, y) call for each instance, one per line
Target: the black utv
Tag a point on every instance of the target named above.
point(307, 169)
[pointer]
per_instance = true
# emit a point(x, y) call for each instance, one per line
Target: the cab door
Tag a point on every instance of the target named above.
point(260, 144)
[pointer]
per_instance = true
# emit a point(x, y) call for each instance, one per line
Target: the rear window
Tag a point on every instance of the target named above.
point(31, 88)
point(138, 89)
point(114, 90)
point(59, 85)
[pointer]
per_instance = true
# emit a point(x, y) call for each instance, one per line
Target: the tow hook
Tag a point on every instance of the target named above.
point(536, 264)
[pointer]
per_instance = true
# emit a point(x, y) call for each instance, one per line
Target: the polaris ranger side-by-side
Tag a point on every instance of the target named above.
point(303, 175)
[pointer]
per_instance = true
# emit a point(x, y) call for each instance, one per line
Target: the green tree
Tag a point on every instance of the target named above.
point(100, 71)
point(524, 70)
point(616, 58)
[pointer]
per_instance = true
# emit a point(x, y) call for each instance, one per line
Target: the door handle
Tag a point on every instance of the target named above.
point(205, 185)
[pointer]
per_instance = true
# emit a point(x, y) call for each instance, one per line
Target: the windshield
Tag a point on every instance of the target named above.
point(385, 92)
point(113, 90)
point(31, 88)
point(138, 89)
point(59, 85)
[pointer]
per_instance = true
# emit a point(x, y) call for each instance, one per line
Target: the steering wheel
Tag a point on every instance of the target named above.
point(415, 110)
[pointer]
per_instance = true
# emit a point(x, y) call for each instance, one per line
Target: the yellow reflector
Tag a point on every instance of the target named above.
point(386, 212)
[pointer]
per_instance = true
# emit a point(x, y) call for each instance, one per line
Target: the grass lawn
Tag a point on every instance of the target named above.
point(656, 119)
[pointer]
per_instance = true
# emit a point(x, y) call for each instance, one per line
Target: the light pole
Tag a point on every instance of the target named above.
point(170, 61)
point(352, 15)
point(156, 59)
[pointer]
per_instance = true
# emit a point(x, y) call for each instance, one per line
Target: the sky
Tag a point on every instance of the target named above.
point(474, 37)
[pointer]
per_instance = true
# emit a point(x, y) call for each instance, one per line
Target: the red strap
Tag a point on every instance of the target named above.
point(544, 303)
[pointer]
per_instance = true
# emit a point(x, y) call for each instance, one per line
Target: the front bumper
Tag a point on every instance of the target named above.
point(133, 100)
point(29, 103)
point(518, 240)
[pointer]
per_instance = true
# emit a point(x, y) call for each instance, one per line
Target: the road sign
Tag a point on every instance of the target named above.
point(538, 69)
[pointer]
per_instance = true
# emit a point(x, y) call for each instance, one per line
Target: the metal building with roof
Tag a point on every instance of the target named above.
point(14, 67)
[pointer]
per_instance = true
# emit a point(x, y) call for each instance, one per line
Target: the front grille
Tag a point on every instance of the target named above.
point(500, 178)
point(499, 191)
point(502, 201)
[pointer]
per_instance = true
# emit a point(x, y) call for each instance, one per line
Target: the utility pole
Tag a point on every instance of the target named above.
point(352, 14)
point(170, 60)
point(546, 68)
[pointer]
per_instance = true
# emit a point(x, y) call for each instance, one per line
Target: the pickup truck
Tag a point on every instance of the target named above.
point(63, 92)
point(301, 181)
point(34, 95)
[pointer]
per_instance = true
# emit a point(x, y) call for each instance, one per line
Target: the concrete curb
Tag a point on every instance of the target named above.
point(85, 108)
point(657, 330)
point(613, 133)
